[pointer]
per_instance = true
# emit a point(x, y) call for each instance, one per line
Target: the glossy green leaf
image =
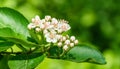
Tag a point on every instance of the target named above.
point(25, 61)
point(15, 21)
point(9, 35)
point(7, 32)
point(79, 53)
point(13, 27)
point(83, 53)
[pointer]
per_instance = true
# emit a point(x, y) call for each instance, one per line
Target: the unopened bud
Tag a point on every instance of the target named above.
point(76, 41)
point(37, 29)
point(59, 44)
point(72, 38)
point(31, 26)
point(63, 38)
point(71, 44)
point(65, 47)
point(67, 42)
point(33, 20)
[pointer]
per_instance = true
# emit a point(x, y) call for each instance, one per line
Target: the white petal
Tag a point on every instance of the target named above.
point(37, 17)
point(48, 39)
point(54, 40)
point(47, 18)
point(45, 31)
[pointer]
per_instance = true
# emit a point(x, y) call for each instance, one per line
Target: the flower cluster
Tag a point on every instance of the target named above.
point(67, 42)
point(52, 30)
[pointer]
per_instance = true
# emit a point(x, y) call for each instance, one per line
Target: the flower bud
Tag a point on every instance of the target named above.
point(72, 38)
point(37, 29)
point(67, 42)
point(65, 47)
point(76, 41)
point(63, 38)
point(59, 44)
point(71, 44)
point(33, 20)
point(31, 26)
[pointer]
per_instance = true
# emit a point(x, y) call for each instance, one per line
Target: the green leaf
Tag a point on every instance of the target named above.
point(79, 53)
point(25, 61)
point(15, 21)
point(5, 45)
point(7, 32)
point(83, 53)
point(13, 27)
point(9, 35)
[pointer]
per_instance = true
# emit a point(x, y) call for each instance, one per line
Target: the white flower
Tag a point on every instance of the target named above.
point(45, 31)
point(47, 25)
point(47, 18)
point(42, 26)
point(51, 37)
point(65, 47)
point(62, 27)
point(59, 37)
point(37, 18)
point(53, 29)
point(31, 26)
point(43, 21)
point(54, 21)
point(65, 27)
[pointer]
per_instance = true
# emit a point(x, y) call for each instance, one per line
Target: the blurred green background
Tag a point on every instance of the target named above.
point(96, 22)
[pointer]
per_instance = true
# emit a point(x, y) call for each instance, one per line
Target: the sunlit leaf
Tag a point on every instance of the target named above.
point(15, 21)
point(13, 27)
